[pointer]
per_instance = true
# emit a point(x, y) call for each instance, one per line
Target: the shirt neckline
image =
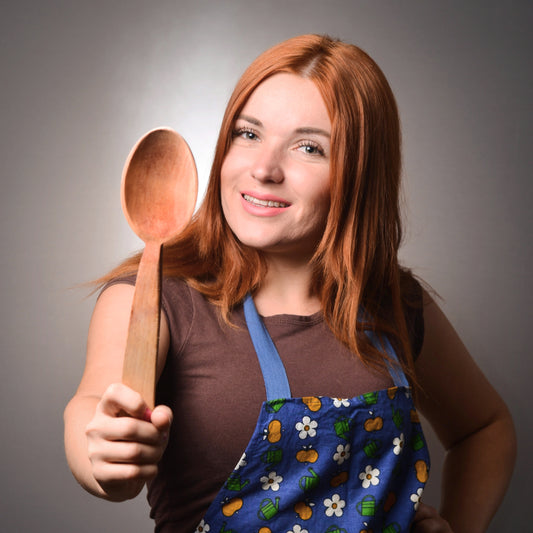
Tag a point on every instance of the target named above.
point(315, 318)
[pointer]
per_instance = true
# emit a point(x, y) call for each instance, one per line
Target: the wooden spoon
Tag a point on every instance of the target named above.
point(159, 189)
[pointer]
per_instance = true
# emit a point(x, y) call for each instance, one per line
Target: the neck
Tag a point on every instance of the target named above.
point(287, 290)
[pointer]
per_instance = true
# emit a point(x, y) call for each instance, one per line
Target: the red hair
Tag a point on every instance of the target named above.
point(356, 263)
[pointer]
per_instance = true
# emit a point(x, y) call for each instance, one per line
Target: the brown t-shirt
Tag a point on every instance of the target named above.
point(212, 381)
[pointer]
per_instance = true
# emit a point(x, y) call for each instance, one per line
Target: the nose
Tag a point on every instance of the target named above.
point(267, 165)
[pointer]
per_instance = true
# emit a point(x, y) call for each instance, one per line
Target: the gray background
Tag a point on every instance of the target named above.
point(82, 81)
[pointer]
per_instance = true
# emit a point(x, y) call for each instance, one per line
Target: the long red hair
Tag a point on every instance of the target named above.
point(356, 262)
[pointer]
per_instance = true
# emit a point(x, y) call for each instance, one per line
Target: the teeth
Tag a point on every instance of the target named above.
point(263, 203)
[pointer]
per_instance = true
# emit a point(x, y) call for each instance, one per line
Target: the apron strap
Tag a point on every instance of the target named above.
point(276, 382)
point(395, 370)
point(274, 375)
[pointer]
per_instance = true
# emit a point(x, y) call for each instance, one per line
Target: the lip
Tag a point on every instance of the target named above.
point(263, 210)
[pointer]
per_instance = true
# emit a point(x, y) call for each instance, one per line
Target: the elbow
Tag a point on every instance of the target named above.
point(506, 428)
point(496, 437)
point(502, 432)
point(499, 439)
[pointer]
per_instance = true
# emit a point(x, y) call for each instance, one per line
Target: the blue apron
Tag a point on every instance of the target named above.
point(324, 465)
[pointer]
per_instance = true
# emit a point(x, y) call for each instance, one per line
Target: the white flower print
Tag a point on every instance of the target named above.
point(297, 529)
point(341, 402)
point(242, 462)
point(369, 477)
point(271, 481)
point(334, 506)
point(415, 498)
point(306, 427)
point(398, 444)
point(202, 528)
point(342, 454)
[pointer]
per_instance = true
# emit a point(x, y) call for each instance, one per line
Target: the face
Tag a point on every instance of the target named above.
point(275, 177)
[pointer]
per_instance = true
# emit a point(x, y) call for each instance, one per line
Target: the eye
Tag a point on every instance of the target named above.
point(245, 133)
point(311, 148)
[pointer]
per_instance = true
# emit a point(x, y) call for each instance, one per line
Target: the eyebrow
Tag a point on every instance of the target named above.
point(305, 130)
point(316, 131)
point(251, 120)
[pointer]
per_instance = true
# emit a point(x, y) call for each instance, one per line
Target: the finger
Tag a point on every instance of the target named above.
point(134, 453)
point(108, 428)
point(428, 520)
point(425, 511)
point(161, 418)
point(120, 400)
point(116, 473)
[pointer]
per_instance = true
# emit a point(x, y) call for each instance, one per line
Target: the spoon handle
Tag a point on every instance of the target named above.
point(140, 357)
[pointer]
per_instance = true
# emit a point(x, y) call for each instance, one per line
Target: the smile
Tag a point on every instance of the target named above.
point(263, 203)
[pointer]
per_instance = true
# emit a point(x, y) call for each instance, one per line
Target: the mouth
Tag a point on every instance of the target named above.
point(264, 203)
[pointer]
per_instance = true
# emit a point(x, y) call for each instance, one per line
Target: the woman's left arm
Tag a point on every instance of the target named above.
point(472, 422)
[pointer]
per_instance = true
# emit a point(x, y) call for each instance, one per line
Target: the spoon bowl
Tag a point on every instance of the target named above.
point(158, 195)
point(159, 185)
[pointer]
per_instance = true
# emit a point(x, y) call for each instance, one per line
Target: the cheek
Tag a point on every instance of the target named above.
point(227, 196)
point(322, 205)
point(315, 215)
point(225, 183)
point(229, 173)
point(223, 176)
point(322, 198)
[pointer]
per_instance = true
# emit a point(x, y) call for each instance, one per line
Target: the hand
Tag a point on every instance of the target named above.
point(428, 520)
point(126, 441)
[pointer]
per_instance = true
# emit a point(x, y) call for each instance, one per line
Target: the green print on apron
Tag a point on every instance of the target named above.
point(324, 465)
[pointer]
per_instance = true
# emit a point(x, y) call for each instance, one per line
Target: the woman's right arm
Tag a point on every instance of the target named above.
point(110, 454)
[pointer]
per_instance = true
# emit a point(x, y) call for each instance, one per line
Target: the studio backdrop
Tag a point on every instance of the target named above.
point(82, 81)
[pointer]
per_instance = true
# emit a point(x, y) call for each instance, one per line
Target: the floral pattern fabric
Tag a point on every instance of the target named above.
point(327, 465)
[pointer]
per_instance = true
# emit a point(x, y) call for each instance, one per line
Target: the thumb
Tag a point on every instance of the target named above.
point(120, 400)
point(161, 418)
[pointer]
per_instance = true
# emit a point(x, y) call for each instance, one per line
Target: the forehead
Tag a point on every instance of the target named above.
point(289, 97)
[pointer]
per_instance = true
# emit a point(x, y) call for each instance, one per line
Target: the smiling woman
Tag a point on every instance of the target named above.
point(275, 177)
point(284, 297)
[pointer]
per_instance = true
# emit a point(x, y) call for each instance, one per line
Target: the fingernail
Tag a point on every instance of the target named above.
point(148, 414)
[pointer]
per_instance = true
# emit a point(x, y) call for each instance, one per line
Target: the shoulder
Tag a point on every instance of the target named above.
point(175, 293)
point(189, 313)
point(177, 302)
point(413, 301)
point(411, 288)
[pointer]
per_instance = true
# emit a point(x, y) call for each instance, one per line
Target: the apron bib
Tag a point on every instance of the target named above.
point(324, 465)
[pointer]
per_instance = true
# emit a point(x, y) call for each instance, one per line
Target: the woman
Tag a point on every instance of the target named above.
point(301, 212)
